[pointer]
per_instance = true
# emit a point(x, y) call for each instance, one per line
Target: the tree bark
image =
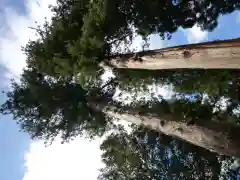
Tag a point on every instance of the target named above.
point(221, 138)
point(211, 55)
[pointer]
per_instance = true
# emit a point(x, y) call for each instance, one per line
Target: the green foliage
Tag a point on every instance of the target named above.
point(149, 155)
point(62, 79)
point(182, 107)
point(184, 80)
point(84, 33)
point(199, 93)
point(46, 108)
point(212, 82)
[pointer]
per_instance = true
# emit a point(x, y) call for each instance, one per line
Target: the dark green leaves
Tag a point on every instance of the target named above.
point(84, 33)
point(46, 107)
point(148, 155)
point(64, 67)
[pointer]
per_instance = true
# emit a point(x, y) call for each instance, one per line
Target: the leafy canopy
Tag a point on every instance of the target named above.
point(62, 79)
point(84, 33)
point(46, 108)
point(149, 155)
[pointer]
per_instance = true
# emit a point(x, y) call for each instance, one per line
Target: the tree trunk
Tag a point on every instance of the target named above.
point(221, 138)
point(211, 55)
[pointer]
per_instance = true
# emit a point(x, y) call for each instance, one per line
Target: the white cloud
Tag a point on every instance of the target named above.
point(77, 160)
point(15, 32)
point(80, 159)
point(195, 34)
point(155, 42)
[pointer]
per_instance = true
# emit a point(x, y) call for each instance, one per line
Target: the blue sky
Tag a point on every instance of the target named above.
point(13, 145)
point(23, 159)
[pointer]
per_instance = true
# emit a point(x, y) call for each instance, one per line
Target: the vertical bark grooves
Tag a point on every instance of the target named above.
point(212, 55)
point(210, 135)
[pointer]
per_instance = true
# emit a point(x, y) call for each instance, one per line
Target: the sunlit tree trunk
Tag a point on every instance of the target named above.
point(216, 54)
point(222, 138)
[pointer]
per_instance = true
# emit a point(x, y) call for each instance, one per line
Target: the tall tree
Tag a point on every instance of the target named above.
point(85, 34)
point(47, 107)
point(61, 93)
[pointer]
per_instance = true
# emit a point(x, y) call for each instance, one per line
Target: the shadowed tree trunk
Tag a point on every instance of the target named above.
point(221, 138)
point(212, 55)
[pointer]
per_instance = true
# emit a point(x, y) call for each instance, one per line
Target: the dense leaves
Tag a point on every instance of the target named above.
point(61, 85)
point(46, 107)
point(149, 155)
point(83, 33)
point(224, 82)
point(212, 83)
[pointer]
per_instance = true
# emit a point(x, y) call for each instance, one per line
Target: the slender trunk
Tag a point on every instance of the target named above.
point(212, 55)
point(221, 138)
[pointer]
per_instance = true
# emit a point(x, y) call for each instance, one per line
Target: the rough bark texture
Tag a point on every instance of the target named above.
point(221, 138)
point(212, 55)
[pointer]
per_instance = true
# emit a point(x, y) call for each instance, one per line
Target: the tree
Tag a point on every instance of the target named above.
point(147, 154)
point(186, 119)
point(212, 55)
point(61, 92)
point(85, 34)
point(47, 107)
